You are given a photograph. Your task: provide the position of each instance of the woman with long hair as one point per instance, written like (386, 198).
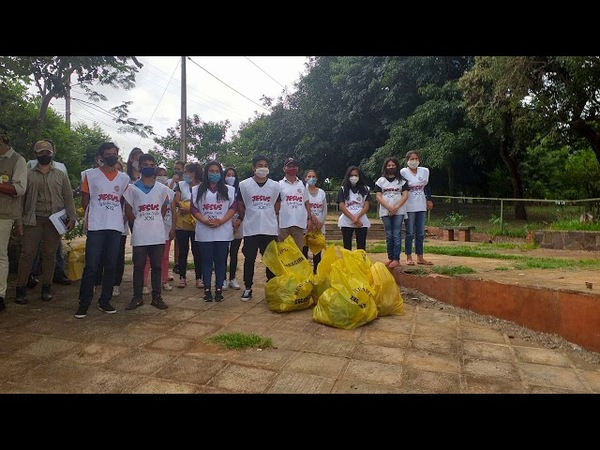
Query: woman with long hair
(354, 202)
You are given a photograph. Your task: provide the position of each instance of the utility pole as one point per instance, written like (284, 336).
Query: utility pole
(68, 103)
(183, 113)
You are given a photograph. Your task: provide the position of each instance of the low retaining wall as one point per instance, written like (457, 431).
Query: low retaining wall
(575, 316)
(566, 240)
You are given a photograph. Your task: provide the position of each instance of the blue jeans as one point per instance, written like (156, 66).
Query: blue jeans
(393, 235)
(415, 229)
(214, 253)
(101, 249)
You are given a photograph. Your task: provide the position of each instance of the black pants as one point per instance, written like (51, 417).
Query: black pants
(361, 237)
(234, 248)
(252, 244)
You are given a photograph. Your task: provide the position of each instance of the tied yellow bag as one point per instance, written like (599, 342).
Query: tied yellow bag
(188, 219)
(291, 288)
(315, 240)
(349, 303)
(76, 262)
(388, 298)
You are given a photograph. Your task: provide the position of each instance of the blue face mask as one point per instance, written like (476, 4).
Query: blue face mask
(148, 171)
(312, 181)
(214, 177)
(187, 179)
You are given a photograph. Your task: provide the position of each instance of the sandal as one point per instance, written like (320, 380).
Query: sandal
(410, 262)
(425, 263)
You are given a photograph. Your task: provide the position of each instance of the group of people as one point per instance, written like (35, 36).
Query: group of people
(404, 197)
(204, 209)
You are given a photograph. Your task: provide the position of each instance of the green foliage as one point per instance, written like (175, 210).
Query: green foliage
(453, 218)
(239, 341)
(574, 225)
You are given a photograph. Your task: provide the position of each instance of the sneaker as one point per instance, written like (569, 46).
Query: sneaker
(247, 295)
(81, 312)
(20, 297)
(46, 292)
(182, 283)
(134, 303)
(199, 283)
(159, 303)
(218, 295)
(167, 287)
(32, 281)
(107, 308)
(146, 290)
(176, 269)
(224, 285)
(116, 291)
(170, 277)
(207, 295)
(233, 284)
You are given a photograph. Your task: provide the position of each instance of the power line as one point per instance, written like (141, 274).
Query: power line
(261, 69)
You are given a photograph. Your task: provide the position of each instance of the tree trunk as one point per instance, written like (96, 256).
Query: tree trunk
(513, 170)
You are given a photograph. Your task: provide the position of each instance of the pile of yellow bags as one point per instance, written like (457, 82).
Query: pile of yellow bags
(349, 289)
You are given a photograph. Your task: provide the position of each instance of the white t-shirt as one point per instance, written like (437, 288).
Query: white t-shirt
(318, 206)
(211, 208)
(293, 204)
(104, 212)
(260, 217)
(392, 193)
(416, 184)
(355, 203)
(149, 226)
(34, 162)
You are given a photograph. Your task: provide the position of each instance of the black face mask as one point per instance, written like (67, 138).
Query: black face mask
(44, 160)
(110, 160)
(148, 171)
(390, 171)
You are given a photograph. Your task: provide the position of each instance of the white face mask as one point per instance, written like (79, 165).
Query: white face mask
(413, 163)
(353, 180)
(262, 172)
(230, 180)
(162, 179)
(135, 165)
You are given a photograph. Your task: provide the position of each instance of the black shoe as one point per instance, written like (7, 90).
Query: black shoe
(219, 295)
(134, 303)
(46, 292)
(247, 295)
(81, 312)
(32, 281)
(2, 305)
(207, 295)
(176, 269)
(159, 303)
(21, 298)
(62, 280)
(107, 308)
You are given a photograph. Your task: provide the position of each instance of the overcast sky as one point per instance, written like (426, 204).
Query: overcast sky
(218, 88)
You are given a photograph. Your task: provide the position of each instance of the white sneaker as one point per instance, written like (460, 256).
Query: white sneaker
(146, 290)
(167, 287)
(233, 284)
(116, 291)
(224, 288)
(199, 283)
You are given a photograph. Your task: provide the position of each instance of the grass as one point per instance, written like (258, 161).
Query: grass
(239, 341)
(444, 270)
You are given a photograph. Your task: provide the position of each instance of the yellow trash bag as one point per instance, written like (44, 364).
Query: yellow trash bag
(388, 298)
(349, 302)
(315, 241)
(76, 261)
(330, 255)
(291, 288)
(188, 219)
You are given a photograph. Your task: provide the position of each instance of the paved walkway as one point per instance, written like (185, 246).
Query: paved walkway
(45, 349)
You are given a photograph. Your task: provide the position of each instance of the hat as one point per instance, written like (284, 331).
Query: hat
(291, 162)
(40, 146)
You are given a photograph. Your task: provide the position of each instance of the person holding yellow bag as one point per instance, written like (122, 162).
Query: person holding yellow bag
(185, 227)
(317, 200)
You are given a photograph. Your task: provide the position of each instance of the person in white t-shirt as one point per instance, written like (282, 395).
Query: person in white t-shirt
(213, 203)
(101, 196)
(392, 193)
(145, 207)
(294, 212)
(317, 200)
(354, 201)
(260, 203)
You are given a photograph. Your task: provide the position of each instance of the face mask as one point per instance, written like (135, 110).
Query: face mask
(262, 172)
(353, 180)
(180, 174)
(135, 165)
(311, 181)
(44, 160)
(214, 177)
(187, 179)
(413, 164)
(390, 171)
(162, 179)
(292, 171)
(230, 180)
(110, 160)
(148, 171)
